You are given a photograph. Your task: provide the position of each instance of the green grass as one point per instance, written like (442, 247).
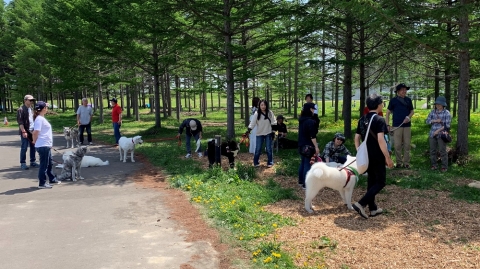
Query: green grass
(234, 200)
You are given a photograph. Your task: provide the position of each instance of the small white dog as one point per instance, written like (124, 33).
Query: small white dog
(128, 144)
(87, 161)
(322, 175)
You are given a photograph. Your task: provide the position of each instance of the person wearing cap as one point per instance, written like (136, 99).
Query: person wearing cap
(401, 107)
(84, 120)
(43, 139)
(281, 127)
(193, 128)
(25, 125)
(116, 119)
(440, 120)
(263, 119)
(335, 150)
(307, 136)
(378, 156)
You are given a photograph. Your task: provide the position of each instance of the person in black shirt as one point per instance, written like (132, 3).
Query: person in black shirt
(193, 128)
(283, 141)
(378, 155)
(307, 136)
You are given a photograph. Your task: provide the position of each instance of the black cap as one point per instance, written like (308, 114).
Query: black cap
(113, 100)
(40, 105)
(400, 86)
(280, 117)
(307, 106)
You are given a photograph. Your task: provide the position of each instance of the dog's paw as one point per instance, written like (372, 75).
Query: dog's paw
(309, 210)
(124, 161)
(82, 178)
(350, 207)
(133, 161)
(74, 179)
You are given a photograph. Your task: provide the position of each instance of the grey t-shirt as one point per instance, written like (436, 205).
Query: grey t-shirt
(85, 114)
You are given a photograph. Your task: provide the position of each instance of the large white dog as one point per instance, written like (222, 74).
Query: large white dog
(128, 144)
(322, 175)
(87, 161)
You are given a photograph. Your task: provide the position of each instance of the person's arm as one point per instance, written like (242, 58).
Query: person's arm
(120, 116)
(383, 146)
(313, 136)
(387, 118)
(253, 123)
(91, 115)
(430, 119)
(180, 129)
(357, 140)
(78, 116)
(35, 136)
(21, 123)
(326, 153)
(200, 129)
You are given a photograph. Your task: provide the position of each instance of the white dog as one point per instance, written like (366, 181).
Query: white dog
(322, 175)
(128, 144)
(87, 161)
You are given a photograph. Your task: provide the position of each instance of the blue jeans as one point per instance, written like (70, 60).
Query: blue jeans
(82, 128)
(23, 150)
(45, 165)
(259, 146)
(303, 169)
(189, 137)
(116, 131)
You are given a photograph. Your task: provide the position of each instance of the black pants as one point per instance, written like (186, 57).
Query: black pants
(82, 128)
(377, 177)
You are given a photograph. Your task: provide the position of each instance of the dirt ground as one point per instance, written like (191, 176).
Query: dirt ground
(419, 229)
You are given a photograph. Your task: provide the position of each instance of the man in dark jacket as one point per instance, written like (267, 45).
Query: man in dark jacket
(193, 129)
(25, 130)
(307, 141)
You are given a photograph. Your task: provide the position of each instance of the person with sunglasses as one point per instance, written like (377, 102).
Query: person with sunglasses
(335, 150)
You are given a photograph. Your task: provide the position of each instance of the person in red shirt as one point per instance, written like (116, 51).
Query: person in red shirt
(116, 119)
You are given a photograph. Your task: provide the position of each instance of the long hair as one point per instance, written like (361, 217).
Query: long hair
(35, 114)
(255, 102)
(306, 113)
(260, 112)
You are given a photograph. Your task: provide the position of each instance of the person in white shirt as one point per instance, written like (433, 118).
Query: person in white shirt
(253, 133)
(84, 120)
(263, 119)
(43, 140)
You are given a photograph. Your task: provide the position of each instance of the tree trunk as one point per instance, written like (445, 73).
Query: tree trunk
(347, 81)
(295, 83)
(229, 70)
(156, 85)
(178, 99)
(464, 78)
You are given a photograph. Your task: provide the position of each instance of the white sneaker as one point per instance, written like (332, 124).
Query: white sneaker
(360, 210)
(188, 156)
(377, 212)
(200, 155)
(46, 186)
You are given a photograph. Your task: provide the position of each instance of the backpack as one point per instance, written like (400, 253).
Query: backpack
(362, 152)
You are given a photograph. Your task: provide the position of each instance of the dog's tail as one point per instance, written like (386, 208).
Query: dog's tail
(315, 172)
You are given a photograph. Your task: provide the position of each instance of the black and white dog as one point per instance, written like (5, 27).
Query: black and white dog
(228, 148)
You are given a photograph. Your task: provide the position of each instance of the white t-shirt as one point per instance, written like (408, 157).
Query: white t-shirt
(45, 137)
(30, 118)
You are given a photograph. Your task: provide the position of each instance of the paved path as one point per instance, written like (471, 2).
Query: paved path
(104, 221)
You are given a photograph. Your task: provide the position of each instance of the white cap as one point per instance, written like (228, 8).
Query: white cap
(193, 125)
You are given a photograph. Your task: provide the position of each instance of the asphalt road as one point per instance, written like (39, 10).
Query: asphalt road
(104, 221)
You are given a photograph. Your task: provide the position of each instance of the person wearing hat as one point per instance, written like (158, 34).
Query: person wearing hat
(401, 107)
(43, 140)
(193, 128)
(440, 120)
(335, 150)
(25, 125)
(307, 138)
(116, 119)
